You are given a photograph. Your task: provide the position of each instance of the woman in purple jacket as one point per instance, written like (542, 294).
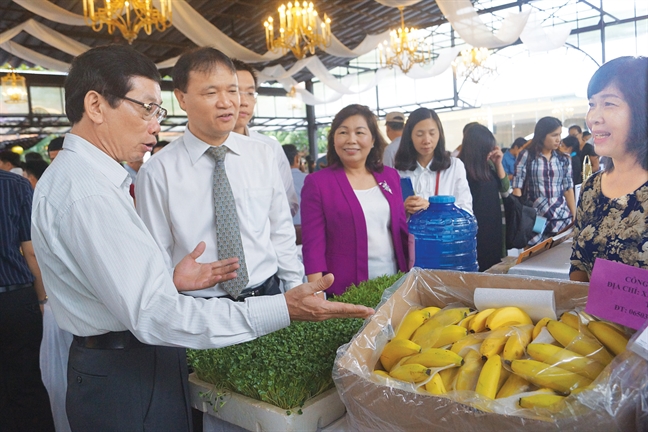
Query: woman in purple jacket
(353, 220)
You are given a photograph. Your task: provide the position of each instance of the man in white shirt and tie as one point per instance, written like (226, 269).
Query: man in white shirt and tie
(247, 82)
(175, 190)
(107, 281)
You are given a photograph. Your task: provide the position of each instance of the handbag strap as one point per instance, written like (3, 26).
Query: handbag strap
(525, 184)
(438, 180)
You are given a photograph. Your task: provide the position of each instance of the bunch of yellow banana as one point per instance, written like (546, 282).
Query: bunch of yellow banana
(494, 353)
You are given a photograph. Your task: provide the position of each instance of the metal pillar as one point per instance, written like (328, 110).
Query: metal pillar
(312, 126)
(602, 35)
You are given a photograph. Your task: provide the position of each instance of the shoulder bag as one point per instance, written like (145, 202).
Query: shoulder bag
(520, 218)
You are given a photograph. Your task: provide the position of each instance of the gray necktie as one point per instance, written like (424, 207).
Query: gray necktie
(228, 234)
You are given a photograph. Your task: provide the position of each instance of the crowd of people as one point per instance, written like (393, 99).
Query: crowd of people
(204, 250)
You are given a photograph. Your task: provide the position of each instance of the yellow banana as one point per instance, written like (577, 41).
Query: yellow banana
(541, 400)
(573, 320)
(436, 385)
(381, 373)
(504, 375)
(507, 315)
(468, 374)
(442, 336)
(489, 377)
(465, 323)
(517, 342)
(442, 318)
(462, 344)
(539, 326)
(514, 384)
(396, 350)
(609, 336)
(578, 342)
(411, 322)
(543, 375)
(432, 309)
(478, 325)
(565, 359)
(412, 373)
(435, 357)
(448, 377)
(495, 341)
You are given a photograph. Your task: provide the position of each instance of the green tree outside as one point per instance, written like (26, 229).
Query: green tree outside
(299, 138)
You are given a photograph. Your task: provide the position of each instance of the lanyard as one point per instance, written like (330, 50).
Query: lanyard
(438, 180)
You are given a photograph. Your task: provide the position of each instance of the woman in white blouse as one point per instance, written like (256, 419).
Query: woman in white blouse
(423, 159)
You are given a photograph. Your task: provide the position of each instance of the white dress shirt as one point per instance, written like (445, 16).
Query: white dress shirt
(453, 182)
(175, 200)
(389, 156)
(103, 271)
(284, 167)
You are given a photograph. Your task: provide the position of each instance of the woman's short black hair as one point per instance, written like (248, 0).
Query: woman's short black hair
(374, 158)
(108, 71)
(629, 75)
(406, 156)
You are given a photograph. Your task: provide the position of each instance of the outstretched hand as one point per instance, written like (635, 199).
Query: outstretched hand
(305, 305)
(190, 275)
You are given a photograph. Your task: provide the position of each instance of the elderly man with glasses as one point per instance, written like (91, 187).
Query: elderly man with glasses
(106, 278)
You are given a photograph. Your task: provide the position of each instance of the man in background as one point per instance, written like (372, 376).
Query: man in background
(33, 170)
(394, 123)
(247, 82)
(509, 158)
(10, 161)
(54, 147)
(294, 158)
(24, 403)
(586, 149)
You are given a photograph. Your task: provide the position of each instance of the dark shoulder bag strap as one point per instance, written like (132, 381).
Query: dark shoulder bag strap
(525, 184)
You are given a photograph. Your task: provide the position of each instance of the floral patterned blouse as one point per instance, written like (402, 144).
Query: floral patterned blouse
(613, 229)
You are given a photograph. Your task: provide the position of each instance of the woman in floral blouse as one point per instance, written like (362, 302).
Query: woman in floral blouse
(612, 216)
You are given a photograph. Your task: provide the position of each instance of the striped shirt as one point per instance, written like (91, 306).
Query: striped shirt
(548, 180)
(103, 271)
(15, 217)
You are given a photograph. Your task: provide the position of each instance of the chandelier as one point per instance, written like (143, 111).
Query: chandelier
(473, 64)
(403, 48)
(129, 16)
(14, 88)
(299, 31)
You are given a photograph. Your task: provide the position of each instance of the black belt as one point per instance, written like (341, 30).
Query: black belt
(9, 288)
(111, 340)
(269, 287)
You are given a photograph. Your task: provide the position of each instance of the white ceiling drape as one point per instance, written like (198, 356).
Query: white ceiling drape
(464, 19)
(461, 14)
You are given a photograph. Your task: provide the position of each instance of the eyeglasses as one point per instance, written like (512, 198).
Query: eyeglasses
(153, 110)
(252, 95)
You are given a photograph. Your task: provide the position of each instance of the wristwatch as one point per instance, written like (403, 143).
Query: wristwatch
(42, 302)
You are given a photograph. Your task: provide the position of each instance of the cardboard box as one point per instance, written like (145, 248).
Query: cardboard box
(614, 404)
(255, 415)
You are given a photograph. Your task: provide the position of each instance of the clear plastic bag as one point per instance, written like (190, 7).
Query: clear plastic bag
(618, 399)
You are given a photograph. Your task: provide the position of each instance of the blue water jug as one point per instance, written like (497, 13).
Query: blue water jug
(443, 236)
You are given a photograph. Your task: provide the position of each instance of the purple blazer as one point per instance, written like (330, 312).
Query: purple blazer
(334, 231)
